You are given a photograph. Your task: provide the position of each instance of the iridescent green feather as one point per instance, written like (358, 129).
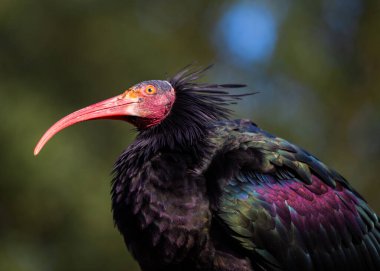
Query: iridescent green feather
(254, 204)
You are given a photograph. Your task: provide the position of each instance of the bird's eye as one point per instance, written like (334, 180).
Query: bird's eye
(150, 90)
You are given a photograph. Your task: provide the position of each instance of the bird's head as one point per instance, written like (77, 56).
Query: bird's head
(149, 103)
(144, 105)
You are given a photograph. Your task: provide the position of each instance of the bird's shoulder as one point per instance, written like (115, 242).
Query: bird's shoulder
(266, 153)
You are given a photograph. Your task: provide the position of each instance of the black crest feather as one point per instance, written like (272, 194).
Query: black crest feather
(209, 100)
(196, 107)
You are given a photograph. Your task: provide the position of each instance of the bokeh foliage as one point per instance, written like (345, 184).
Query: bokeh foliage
(319, 88)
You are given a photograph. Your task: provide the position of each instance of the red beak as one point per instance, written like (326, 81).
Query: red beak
(113, 108)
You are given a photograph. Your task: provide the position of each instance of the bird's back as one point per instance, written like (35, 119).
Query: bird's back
(286, 208)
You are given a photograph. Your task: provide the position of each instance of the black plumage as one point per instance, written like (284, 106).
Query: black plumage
(196, 191)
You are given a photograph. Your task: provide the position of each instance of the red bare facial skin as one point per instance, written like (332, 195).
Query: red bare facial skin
(155, 108)
(143, 105)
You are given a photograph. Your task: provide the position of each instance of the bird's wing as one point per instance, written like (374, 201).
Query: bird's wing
(280, 203)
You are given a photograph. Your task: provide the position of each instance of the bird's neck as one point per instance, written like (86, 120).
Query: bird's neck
(192, 142)
(191, 139)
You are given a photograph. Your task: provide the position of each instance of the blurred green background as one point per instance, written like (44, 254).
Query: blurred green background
(315, 63)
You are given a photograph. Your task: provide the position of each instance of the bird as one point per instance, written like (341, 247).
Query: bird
(198, 191)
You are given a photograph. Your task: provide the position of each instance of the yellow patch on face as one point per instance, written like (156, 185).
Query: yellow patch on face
(131, 94)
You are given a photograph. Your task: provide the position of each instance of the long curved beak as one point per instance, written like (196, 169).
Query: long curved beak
(114, 108)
